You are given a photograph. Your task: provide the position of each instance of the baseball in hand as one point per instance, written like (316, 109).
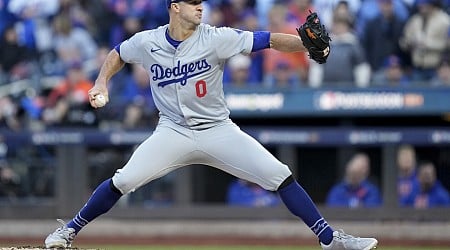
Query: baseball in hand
(100, 100)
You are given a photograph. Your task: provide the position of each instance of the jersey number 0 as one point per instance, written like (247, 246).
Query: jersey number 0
(200, 88)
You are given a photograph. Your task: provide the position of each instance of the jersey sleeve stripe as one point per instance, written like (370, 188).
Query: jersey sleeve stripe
(261, 40)
(117, 48)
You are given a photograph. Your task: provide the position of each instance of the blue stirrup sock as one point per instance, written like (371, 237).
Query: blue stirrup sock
(102, 199)
(300, 204)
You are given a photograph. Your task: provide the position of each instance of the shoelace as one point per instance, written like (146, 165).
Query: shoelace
(62, 222)
(63, 230)
(342, 235)
(60, 230)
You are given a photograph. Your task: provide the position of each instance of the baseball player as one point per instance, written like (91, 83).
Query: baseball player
(185, 61)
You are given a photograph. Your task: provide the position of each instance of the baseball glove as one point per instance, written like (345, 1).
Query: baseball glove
(315, 38)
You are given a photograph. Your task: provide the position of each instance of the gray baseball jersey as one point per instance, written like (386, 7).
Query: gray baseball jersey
(194, 125)
(186, 82)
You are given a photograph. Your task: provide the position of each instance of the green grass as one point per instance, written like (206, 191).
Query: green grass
(244, 248)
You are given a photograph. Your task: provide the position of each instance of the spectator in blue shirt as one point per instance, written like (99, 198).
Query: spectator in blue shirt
(392, 73)
(430, 192)
(244, 193)
(442, 78)
(355, 190)
(407, 174)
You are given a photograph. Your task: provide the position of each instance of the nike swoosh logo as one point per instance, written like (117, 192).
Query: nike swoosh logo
(154, 50)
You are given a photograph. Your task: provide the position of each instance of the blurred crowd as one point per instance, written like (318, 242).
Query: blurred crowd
(56, 47)
(418, 184)
(51, 52)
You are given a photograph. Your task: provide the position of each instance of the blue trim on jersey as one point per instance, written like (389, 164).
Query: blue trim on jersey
(172, 41)
(117, 48)
(261, 40)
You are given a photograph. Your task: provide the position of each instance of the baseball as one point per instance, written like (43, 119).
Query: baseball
(100, 101)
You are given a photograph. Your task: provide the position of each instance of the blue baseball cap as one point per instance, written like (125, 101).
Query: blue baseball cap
(169, 2)
(392, 61)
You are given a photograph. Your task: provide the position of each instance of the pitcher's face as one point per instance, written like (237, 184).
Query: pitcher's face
(191, 11)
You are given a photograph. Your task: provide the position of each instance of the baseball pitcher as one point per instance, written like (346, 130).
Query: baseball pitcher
(185, 61)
